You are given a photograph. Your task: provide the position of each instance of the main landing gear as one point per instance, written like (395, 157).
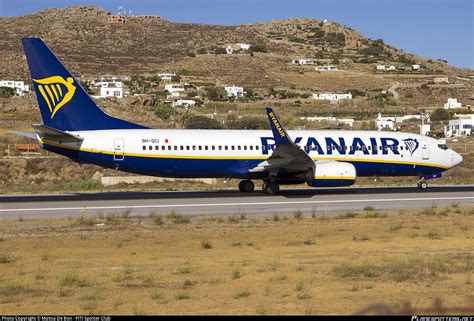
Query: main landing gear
(268, 187)
(422, 184)
(271, 187)
(246, 186)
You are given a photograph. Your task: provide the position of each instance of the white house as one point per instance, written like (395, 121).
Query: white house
(425, 129)
(174, 88)
(19, 86)
(229, 50)
(303, 62)
(326, 68)
(244, 46)
(166, 76)
(331, 96)
(415, 67)
(385, 67)
(345, 121)
(385, 122)
(110, 89)
(233, 91)
(184, 103)
(441, 80)
(460, 125)
(452, 103)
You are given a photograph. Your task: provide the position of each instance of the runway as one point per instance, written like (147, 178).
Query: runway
(320, 201)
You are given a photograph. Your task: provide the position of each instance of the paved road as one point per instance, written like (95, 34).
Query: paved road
(321, 201)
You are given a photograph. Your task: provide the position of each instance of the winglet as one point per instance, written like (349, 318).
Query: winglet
(279, 133)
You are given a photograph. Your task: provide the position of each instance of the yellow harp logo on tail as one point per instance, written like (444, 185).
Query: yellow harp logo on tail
(56, 91)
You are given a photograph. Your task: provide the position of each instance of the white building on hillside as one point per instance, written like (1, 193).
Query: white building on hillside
(233, 91)
(244, 46)
(303, 62)
(166, 76)
(331, 96)
(174, 88)
(110, 89)
(415, 67)
(460, 125)
(452, 103)
(19, 86)
(229, 50)
(326, 68)
(385, 122)
(184, 103)
(345, 121)
(385, 67)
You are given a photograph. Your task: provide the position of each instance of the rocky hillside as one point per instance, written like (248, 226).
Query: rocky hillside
(89, 44)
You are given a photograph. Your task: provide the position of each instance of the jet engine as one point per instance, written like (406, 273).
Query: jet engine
(331, 174)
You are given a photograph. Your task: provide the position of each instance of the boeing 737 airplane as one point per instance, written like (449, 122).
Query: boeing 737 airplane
(74, 126)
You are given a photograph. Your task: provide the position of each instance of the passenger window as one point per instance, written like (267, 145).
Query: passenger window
(205, 147)
(213, 147)
(175, 147)
(157, 147)
(163, 147)
(238, 147)
(181, 147)
(200, 147)
(245, 147)
(150, 147)
(220, 147)
(232, 147)
(225, 147)
(144, 147)
(169, 147)
(194, 147)
(251, 147)
(187, 147)
(256, 147)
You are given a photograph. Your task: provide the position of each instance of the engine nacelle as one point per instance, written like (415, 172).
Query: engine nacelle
(331, 174)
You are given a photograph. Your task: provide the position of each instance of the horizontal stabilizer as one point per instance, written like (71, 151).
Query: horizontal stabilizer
(52, 134)
(24, 134)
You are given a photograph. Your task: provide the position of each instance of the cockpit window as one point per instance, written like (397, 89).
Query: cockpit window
(443, 146)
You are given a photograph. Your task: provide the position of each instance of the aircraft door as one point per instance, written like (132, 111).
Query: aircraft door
(425, 149)
(118, 149)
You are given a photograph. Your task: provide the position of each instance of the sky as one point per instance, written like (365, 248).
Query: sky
(436, 29)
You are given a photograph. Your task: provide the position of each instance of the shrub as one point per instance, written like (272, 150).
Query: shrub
(191, 54)
(163, 111)
(6, 92)
(220, 51)
(439, 114)
(258, 48)
(202, 51)
(206, 245)
(201, 122)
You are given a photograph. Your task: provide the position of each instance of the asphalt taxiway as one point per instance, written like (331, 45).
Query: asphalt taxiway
(320, 201)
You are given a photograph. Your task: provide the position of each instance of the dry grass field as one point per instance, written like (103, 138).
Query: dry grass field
(237, 265)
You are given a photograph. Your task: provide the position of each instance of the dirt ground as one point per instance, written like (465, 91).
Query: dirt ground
(236, 265)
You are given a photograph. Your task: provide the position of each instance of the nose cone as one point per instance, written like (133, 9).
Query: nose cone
(456, 159)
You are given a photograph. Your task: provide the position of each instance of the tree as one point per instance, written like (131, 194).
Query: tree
(6, 92)
(247, 123)
(201, 122)
(216, 93)
(439, 114)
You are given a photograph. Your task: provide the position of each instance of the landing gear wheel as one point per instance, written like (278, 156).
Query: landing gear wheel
(246, 186)
(271, 188)
(422, 185)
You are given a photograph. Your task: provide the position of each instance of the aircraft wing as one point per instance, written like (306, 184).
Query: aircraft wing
(287, 156)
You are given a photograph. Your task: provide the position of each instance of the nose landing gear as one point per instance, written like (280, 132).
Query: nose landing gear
(422, 184)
